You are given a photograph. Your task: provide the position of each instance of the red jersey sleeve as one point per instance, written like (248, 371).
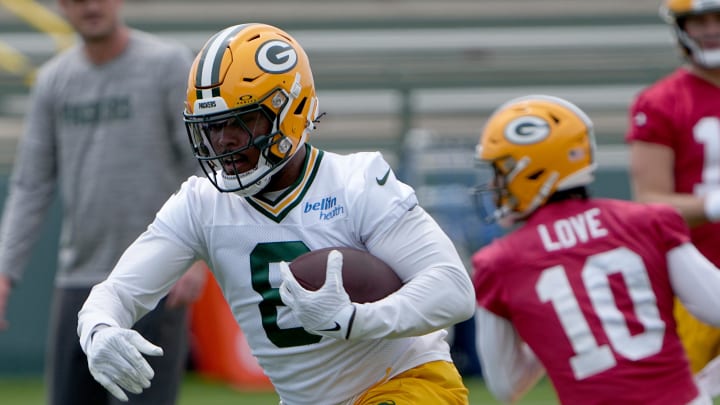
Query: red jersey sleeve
(670, 225)
(650, 121)
(487, 282)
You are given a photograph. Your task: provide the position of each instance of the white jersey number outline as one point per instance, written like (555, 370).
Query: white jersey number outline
(707, 133)
(590, 358)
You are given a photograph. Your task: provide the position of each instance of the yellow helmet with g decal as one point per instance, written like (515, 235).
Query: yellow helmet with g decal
(536, 145)
(250, 69)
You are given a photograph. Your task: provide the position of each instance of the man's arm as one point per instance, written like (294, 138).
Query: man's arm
(509, 367)
(31, 190)
(438, 295)
(437, 292)
(696, 282)
(189, 287)
(143, 275)
(652, 180)
(5, 287)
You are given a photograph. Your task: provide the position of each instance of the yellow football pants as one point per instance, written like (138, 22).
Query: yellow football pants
(701, 341)
(435, 383)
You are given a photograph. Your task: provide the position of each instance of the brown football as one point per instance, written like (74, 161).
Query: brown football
(365, 277)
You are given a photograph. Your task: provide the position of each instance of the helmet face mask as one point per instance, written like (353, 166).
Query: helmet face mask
(535, 145)
(255, 132)
(254, 79)
(676, 13)
(493, 200)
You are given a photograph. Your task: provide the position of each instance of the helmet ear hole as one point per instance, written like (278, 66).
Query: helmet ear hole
(300, 107)
(536, 175)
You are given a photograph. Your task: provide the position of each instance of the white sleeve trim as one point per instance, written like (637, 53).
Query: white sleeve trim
(696, 281)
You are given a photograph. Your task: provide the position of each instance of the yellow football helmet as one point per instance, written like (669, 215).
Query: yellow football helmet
(536, 145)
(246, 69)
(674, 13)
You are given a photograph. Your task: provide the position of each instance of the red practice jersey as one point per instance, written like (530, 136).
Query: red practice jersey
(682, 112)
(586, 285)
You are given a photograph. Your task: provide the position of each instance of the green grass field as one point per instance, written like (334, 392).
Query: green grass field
(199, 391)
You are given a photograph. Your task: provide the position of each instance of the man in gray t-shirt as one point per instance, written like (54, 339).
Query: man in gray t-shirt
(104, 128)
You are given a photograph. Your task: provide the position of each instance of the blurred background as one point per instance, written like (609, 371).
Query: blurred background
(413, 79)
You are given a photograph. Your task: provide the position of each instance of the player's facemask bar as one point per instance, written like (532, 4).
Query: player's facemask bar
(220, 164)
(491, 197)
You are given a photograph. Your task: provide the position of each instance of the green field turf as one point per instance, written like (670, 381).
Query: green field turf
(199, 391)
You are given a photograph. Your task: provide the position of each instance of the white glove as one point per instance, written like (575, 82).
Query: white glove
(708, 379)
(327, 311)
(115, 360)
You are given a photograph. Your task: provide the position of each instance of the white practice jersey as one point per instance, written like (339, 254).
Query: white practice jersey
(353, 201)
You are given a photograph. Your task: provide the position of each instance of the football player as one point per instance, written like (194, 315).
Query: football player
(674, 138)
(583, 288)
(100, 136)
(268, 197)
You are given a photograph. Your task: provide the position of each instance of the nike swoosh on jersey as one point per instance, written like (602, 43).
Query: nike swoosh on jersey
(381, 181)
(333, 329)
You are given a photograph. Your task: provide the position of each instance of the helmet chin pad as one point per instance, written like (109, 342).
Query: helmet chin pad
(709, 58)
(706, 58)
(230, 182)
(251, 182)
